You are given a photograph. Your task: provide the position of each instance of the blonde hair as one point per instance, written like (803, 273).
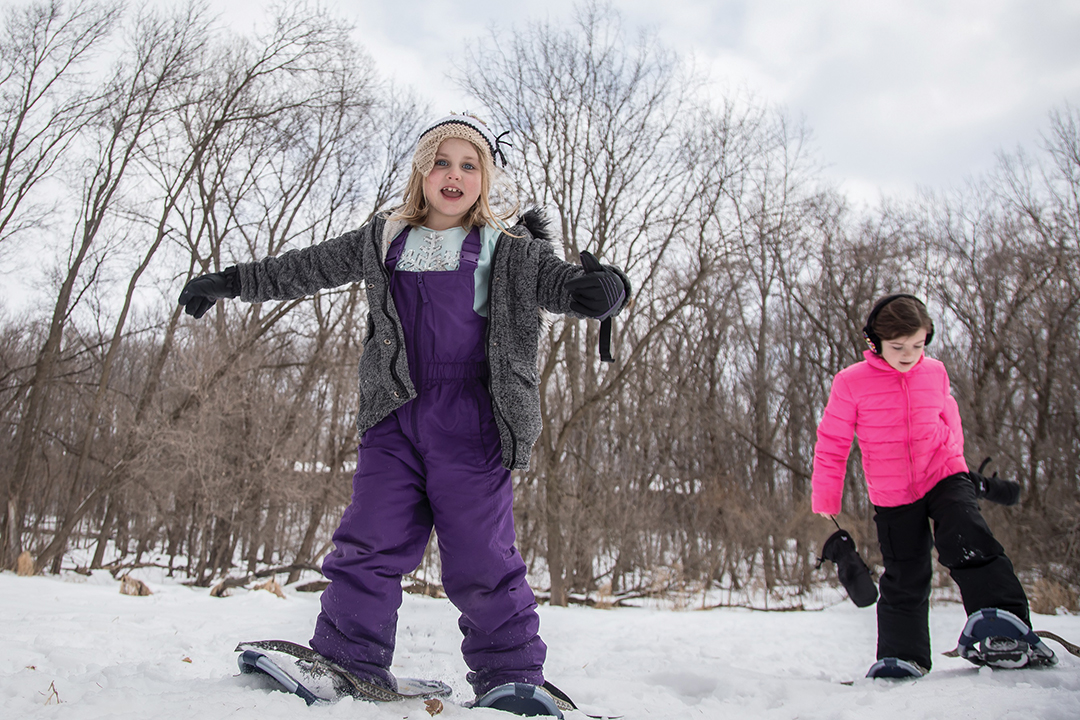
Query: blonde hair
(414, 208)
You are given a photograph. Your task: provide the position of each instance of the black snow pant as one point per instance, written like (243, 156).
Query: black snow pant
(965, 545)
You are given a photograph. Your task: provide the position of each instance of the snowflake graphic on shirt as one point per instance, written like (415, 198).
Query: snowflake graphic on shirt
(431, 257)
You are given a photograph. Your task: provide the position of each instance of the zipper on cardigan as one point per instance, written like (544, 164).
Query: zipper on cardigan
(487, 348)
(376, 237)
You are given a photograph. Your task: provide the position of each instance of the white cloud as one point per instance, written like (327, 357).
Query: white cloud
(898, 93)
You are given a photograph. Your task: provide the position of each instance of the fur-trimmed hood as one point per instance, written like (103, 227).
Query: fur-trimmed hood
(538, 224)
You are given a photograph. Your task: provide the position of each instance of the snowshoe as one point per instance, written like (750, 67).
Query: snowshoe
(999, 639)
(895, 669)
(302, 671)
(564, 703)
(520, 699)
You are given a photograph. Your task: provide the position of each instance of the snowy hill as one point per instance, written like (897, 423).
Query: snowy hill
(74, 647)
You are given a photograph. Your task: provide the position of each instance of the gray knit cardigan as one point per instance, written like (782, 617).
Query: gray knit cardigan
(526, 277)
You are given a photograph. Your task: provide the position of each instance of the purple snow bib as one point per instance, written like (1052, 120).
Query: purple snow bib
(435, 462)
(444, 337)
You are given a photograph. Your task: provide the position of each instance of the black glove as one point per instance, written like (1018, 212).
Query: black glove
(598, 293)
(200, 294)
(995, 489)
(850, 568)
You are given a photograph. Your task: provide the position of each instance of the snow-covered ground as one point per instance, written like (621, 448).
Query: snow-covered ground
(74, 647)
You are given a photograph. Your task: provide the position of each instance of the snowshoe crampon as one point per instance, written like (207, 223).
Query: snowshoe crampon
(999, 639)
(302, 671)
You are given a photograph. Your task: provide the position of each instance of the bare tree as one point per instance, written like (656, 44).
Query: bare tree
(600, 123)
(298, 101)
(227, 445)
(44, 109)
(45, 102)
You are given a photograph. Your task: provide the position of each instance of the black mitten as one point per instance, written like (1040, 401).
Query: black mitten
(850, 568)
(598, 293)
(200, 294)
(995, 489)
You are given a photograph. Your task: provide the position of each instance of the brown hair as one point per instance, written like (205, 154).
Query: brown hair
(902, 317)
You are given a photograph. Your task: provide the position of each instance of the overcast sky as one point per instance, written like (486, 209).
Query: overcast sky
(899, 94)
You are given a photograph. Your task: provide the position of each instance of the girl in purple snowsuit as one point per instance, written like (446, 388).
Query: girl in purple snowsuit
(449, 401)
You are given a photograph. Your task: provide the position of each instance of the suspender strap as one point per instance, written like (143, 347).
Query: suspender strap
(470, 247)
(394, 251)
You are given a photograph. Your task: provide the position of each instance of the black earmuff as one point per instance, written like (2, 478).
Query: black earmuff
(872, 339)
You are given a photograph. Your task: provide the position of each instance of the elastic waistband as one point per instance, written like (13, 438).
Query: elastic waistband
(452, 371)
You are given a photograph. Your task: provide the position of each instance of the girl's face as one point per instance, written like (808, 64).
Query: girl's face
(453, 185)
(903, 352)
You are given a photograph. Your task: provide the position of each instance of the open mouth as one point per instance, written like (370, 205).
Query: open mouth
(451, 192)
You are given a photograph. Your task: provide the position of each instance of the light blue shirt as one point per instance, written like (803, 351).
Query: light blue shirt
(427, 250)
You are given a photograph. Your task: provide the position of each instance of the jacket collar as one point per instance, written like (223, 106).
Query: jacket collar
(877, 362)
(391, 229)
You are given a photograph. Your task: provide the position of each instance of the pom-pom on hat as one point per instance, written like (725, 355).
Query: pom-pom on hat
(466, 127)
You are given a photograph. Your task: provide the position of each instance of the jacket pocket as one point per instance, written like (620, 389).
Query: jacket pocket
(525, 371)
(370, 331)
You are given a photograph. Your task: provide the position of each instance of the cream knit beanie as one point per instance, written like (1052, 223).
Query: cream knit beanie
(465, 127)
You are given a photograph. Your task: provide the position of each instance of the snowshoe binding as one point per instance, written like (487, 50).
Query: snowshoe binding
(302, 671)
(520, 699)
(999, 639)
(895, 669)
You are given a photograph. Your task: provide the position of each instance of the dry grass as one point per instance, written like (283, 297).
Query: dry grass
(24, 566)
(1047, 596)
(133, 586)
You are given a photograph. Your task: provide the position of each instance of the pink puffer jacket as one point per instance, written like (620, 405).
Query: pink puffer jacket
(908, 427)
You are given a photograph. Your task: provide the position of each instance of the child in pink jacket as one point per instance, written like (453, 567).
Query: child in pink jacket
(897, 403)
